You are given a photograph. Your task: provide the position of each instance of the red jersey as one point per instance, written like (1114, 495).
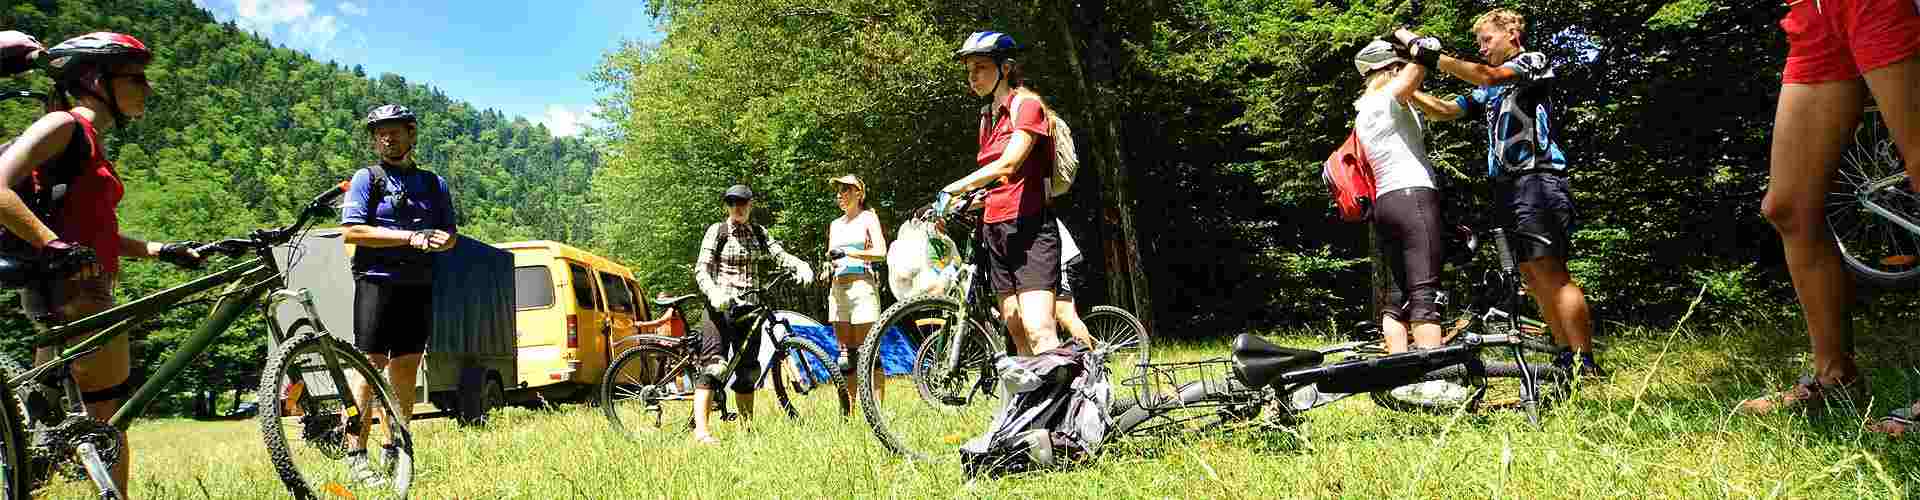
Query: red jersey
(1023, 193)
(88, 211)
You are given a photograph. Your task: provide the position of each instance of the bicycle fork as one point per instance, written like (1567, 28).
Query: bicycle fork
(350, 400)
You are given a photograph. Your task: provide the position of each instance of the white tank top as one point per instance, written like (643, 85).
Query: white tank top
(1396, 143)
(850, 236)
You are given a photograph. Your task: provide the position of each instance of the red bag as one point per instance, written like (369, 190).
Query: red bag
(1349, 177)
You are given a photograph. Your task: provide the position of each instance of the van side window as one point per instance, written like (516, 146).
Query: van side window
(583, 287)
(532, 287)
(619, 298)
(640, 301)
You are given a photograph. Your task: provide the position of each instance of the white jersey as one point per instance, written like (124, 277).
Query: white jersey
(1396, 143)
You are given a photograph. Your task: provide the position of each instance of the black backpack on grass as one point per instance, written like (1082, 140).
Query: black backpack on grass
(1053, 415)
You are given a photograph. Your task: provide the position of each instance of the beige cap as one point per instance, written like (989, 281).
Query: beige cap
(849, 180)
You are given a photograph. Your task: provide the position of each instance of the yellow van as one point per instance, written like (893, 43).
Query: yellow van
(569, 306)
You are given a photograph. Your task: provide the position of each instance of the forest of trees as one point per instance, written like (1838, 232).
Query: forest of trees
(241, 132)
(1202, 124)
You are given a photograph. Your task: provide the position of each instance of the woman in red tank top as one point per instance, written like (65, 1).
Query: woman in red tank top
(99, 83)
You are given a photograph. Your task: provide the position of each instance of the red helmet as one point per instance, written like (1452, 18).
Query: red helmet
(96, 49)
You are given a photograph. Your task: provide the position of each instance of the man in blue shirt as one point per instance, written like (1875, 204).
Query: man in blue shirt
(396, 215)
(1528, 169)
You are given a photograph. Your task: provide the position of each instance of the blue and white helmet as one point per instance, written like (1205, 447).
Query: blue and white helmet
(988, 43)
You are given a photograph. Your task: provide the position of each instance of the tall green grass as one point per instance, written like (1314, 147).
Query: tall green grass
(1661, 427)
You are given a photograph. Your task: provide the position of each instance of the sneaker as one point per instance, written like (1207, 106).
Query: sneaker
(361, 471)
(1809, 395)
(389, 458)
(1582, 364)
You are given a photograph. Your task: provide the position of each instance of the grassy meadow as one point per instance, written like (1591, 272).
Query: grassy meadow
(1660, 427)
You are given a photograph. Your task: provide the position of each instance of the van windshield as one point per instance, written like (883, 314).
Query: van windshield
(532, 287)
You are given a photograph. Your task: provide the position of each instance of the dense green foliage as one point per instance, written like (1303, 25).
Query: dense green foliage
(241, 133)
(1224, 111)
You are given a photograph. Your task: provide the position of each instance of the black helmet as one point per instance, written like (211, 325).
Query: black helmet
(389, 113)
(738, 192)
(94, 50)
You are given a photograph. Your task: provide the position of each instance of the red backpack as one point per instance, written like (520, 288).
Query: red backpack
(1349, 177)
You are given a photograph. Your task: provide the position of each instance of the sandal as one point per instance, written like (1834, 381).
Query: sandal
(1896, 422)
(1808, 395)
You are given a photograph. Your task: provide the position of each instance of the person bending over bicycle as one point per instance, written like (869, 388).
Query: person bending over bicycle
(1406, 212)
(397, 215)
(1838, 52)
(1525, 163)
(734, 255)
(1021, 238)
(100, 83)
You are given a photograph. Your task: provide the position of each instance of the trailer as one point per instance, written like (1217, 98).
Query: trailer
(471, 354)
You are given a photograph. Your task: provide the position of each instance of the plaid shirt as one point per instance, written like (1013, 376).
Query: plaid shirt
(742, 265)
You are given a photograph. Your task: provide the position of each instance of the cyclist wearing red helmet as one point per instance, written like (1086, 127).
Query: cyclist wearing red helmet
(100, 83)
(1021, 235)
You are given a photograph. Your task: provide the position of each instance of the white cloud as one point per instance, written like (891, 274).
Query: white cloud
(352, 9)
(564, 122)
(263, 15)
(316, 32)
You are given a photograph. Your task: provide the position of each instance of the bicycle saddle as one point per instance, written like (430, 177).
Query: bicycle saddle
(671, 301)
(1258, 362)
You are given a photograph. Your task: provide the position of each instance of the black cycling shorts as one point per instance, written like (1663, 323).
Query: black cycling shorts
(1406, 225)
(392, 319)
(718, 332)
(1023, 254)
(1541, 204)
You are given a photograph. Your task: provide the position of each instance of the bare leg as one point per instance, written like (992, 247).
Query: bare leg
(1040, 328)
(1427, 334)
(403, 372)
(702, 415)
(848, 338)
(1395, 332)
(745, 400)
(879, 379)
(1010, 316)
(1068, 318)
(1810, 127)
(1561, 301)
(363, 398)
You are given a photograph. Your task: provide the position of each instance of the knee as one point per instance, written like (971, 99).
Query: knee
(1792, 218)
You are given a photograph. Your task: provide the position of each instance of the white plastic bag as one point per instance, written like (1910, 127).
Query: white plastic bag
(921, 261)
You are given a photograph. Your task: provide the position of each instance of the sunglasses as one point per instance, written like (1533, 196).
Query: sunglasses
(140, 78)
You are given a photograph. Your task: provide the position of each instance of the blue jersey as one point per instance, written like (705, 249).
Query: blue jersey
(427, 205)
(1519, 115)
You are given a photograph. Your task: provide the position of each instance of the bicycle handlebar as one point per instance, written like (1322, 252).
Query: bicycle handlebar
(265, 238)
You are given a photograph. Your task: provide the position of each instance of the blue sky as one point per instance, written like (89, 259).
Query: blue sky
(524, 58)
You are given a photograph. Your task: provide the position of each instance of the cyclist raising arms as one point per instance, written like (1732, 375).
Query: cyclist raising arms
(733, 256)
(1526, 164)
(100, 83)
(1839, 51)
(1022, 240)
(396, 215)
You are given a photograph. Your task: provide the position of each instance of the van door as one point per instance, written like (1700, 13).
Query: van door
(621, 310)
(587, 326)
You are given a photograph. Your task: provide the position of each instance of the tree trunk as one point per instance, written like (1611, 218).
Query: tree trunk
(1083, 26)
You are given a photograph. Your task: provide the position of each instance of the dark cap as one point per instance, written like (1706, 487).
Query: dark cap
(738, 192)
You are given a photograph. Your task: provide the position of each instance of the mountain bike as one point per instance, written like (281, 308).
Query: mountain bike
(957, 335)
(1260, 374)
(1871, 212)
(661, 370)
(44, 425)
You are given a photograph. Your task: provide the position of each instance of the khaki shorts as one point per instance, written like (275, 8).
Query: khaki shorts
(856, 302)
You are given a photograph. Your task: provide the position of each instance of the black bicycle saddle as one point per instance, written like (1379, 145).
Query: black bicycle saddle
(1258, 362)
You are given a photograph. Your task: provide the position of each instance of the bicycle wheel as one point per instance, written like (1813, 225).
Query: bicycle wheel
(1878, 250)
(640, 384)
(797, 369)
(14, 455)
(951, 388)
(1199, 406)
(301, 408)
(1493, 385)
(1116, 327)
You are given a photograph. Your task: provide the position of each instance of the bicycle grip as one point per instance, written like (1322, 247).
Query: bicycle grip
(1506, 250)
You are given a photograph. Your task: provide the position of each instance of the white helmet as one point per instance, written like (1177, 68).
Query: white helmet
(1376, 55)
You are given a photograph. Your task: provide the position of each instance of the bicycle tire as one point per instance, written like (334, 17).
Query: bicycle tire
(1491, 385)
(14, 453)
(1112, 325)
(1198, 406)
(301, 351)
(794, 354)
(894, 422)
(640, 381)
(1875, 249)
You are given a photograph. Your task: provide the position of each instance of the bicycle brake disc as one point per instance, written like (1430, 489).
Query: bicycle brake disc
(326, 433)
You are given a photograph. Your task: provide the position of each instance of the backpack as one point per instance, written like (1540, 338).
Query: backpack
(43, 189)
(1066, 162)
(1054, 414)
(1349, 178)
(759, 236)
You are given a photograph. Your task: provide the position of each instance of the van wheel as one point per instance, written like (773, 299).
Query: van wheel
(480, 392)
